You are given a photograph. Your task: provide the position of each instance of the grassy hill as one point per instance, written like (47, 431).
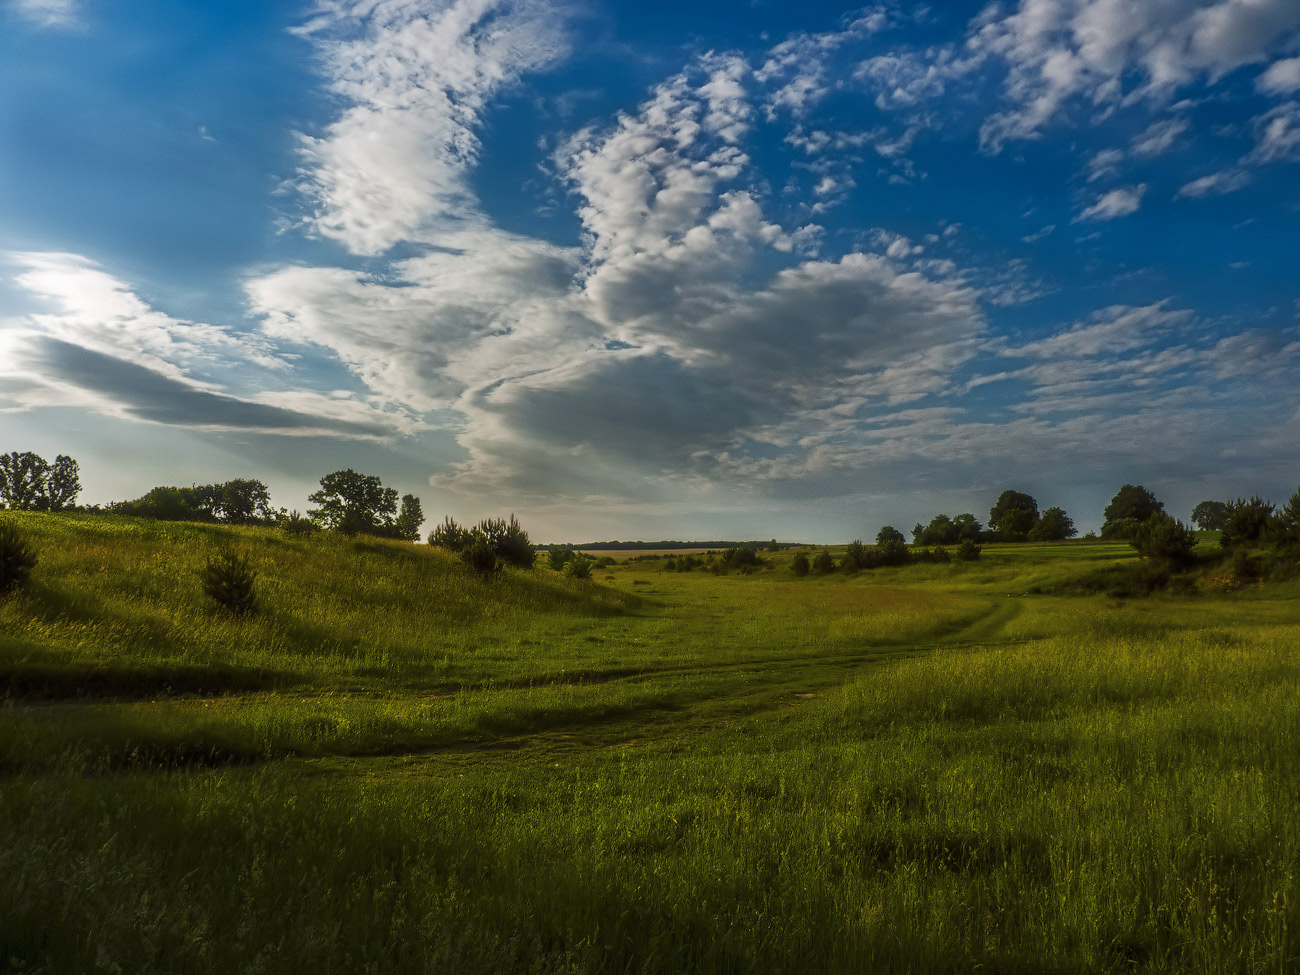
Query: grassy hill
(398, 767)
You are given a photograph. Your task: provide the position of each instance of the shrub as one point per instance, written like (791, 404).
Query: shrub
(558, 557)
(451, 536)
(17, 558)
(855, 556)
(968, 551)
(800, 566)
(741, 557)
(480, 556)
(578, 567)
(1246, 521)
(296, 526)
(823, 564)
(1165, 541)
(508, 540)
(228, 578)
(893, 552)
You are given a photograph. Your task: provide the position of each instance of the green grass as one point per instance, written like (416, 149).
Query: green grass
(397, 767)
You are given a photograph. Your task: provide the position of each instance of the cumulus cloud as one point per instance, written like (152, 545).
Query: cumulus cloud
(1098, 54)
(1119, 202)
(414, 77)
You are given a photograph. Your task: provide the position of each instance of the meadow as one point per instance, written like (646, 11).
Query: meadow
(397, 766)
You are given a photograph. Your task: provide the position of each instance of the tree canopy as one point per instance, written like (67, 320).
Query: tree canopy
(1209, 515)
(28, 482)
(1014, 514)
(354, 502)
(1132, 505)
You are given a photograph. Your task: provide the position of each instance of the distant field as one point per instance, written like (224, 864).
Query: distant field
(623, 554)
(398, 767)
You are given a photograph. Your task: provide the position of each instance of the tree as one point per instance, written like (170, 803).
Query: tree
(1287, 523)
(1013, 514)
(889, 533)
(892, 551)
(450, 536)
(1165, 541)
(1053, 525)
(360, 502)
(240, 502)
(967, 527)
(1247, 521)
(1015, 524)
(773, 546)
(558, 556)
(409, 519)
(508, 541)
(1132, 505)
(1209, 515)
(800, 565)
(823, 564)
(28, 482)
(63, 484)
(855, 556)
(940, 531)
(163, 504)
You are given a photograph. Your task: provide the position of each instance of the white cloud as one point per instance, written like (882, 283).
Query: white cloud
(1090, 53)
(415, 77)
(1039, 235)
(1224, 181)
(104, 348)
(1281, 78)
(48, 13)
(796, 70)
(1160, 136)
(1119, 202)
(1277, 136)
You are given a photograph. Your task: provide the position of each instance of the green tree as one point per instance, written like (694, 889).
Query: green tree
(968, 527)
(889, 533)
(508, 541)
(28, 482)
(1013, 514)
(1132, 505)
(823, 564)
(800, 565)
(893, 551)
(451, 536)
(1286, 524)
(1053, 525)
(351, 501)
(1162, 540)
(242, 501)
(409, 519)
(1209, 515)
(1246, 522)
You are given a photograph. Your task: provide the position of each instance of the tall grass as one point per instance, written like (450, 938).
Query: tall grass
(912, 770)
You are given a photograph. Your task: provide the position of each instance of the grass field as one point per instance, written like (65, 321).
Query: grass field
(397, 767)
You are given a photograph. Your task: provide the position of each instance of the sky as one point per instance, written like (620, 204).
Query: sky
(673, 270)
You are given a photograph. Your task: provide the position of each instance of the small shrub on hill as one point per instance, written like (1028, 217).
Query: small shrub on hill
(508, 540)
(1246, 522)
(1165, 541)
(479, 555)
(800, 565)
(228, 579)
(578, 567)
(823, 564)
(296, 526)
(557, 557)
(17, 558)
(968, 551)
(893, 552)
(450, 536)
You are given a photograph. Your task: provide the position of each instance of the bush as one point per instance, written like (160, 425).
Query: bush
(800, 566)
(557, 556)
(296, 526)
(578, 567)
(451, 536)
(823, 564)
(17, 558)
(741, 557)
(1165, 541)
(228, 578)
(1247, 521)
(480, 556)
(968, 551)
(893, 552)
(508, 540)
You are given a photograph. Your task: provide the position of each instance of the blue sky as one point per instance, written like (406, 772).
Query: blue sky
(669, 270)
